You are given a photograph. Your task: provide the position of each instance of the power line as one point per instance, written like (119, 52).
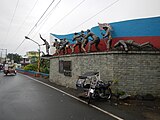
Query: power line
(41, 17)
(49, 14)
(94, 15)
(19, 45)
(46, 18)
(12, 18)
(66, 15)
(35, 24)
(26, 18)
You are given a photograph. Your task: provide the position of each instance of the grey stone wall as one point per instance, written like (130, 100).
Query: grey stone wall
(136, 72)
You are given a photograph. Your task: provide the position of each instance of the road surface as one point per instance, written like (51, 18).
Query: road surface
(22, 98)
(25, 98)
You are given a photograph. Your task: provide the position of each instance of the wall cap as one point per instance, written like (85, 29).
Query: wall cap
(107, 53)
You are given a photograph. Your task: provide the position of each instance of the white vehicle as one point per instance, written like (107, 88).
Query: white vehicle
(9, 69)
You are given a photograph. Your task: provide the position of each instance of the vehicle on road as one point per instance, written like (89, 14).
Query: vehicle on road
(9, 69)
(93, 86)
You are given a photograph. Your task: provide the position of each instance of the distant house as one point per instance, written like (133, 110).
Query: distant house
(30, 54)
(33, 56)
(24, 61)
(30, 57)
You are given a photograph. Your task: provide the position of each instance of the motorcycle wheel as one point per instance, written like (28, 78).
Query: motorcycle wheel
(108, 93)
(90, 97)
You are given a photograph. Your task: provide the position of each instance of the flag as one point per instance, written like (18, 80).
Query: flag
(52, 38)
(101, 25)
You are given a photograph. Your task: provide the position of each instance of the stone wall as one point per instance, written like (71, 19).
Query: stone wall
(136, 72)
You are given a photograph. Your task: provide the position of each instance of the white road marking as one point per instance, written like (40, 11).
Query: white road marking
(108, 113)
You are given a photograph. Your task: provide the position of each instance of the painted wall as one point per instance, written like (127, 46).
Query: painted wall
(139, 30)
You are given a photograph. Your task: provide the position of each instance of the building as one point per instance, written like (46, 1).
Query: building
(33, 56)
(30, 57)
(25, 61)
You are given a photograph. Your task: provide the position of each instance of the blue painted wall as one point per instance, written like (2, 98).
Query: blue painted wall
(131, 28)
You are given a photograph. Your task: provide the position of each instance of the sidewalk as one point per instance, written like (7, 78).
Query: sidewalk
(142, 109)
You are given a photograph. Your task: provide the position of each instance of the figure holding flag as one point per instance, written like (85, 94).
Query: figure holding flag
(107, 28)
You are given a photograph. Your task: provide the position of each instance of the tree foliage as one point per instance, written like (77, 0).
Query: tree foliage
(16, 57)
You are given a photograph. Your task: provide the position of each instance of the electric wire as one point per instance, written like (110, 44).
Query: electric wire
(26, 18)
(52, 26)
(66, 15)
(40, 18)
(46, 18)
(49, 14)
(35, 25)
(94, 15)
(12, 18)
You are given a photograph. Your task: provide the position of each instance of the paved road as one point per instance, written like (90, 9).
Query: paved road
(22, 98)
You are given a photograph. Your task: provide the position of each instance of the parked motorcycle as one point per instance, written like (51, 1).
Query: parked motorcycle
(101, 90)
(95, 88)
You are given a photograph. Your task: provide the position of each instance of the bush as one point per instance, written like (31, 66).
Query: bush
(44, 66)
(45, 70)
(32, 67)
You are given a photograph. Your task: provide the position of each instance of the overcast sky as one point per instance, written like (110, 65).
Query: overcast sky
(18, 17)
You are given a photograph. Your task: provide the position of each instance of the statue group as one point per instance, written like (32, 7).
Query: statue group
(89, 39)
(82, 39)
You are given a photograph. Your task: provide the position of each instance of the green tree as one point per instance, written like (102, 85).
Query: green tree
(15, 57)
